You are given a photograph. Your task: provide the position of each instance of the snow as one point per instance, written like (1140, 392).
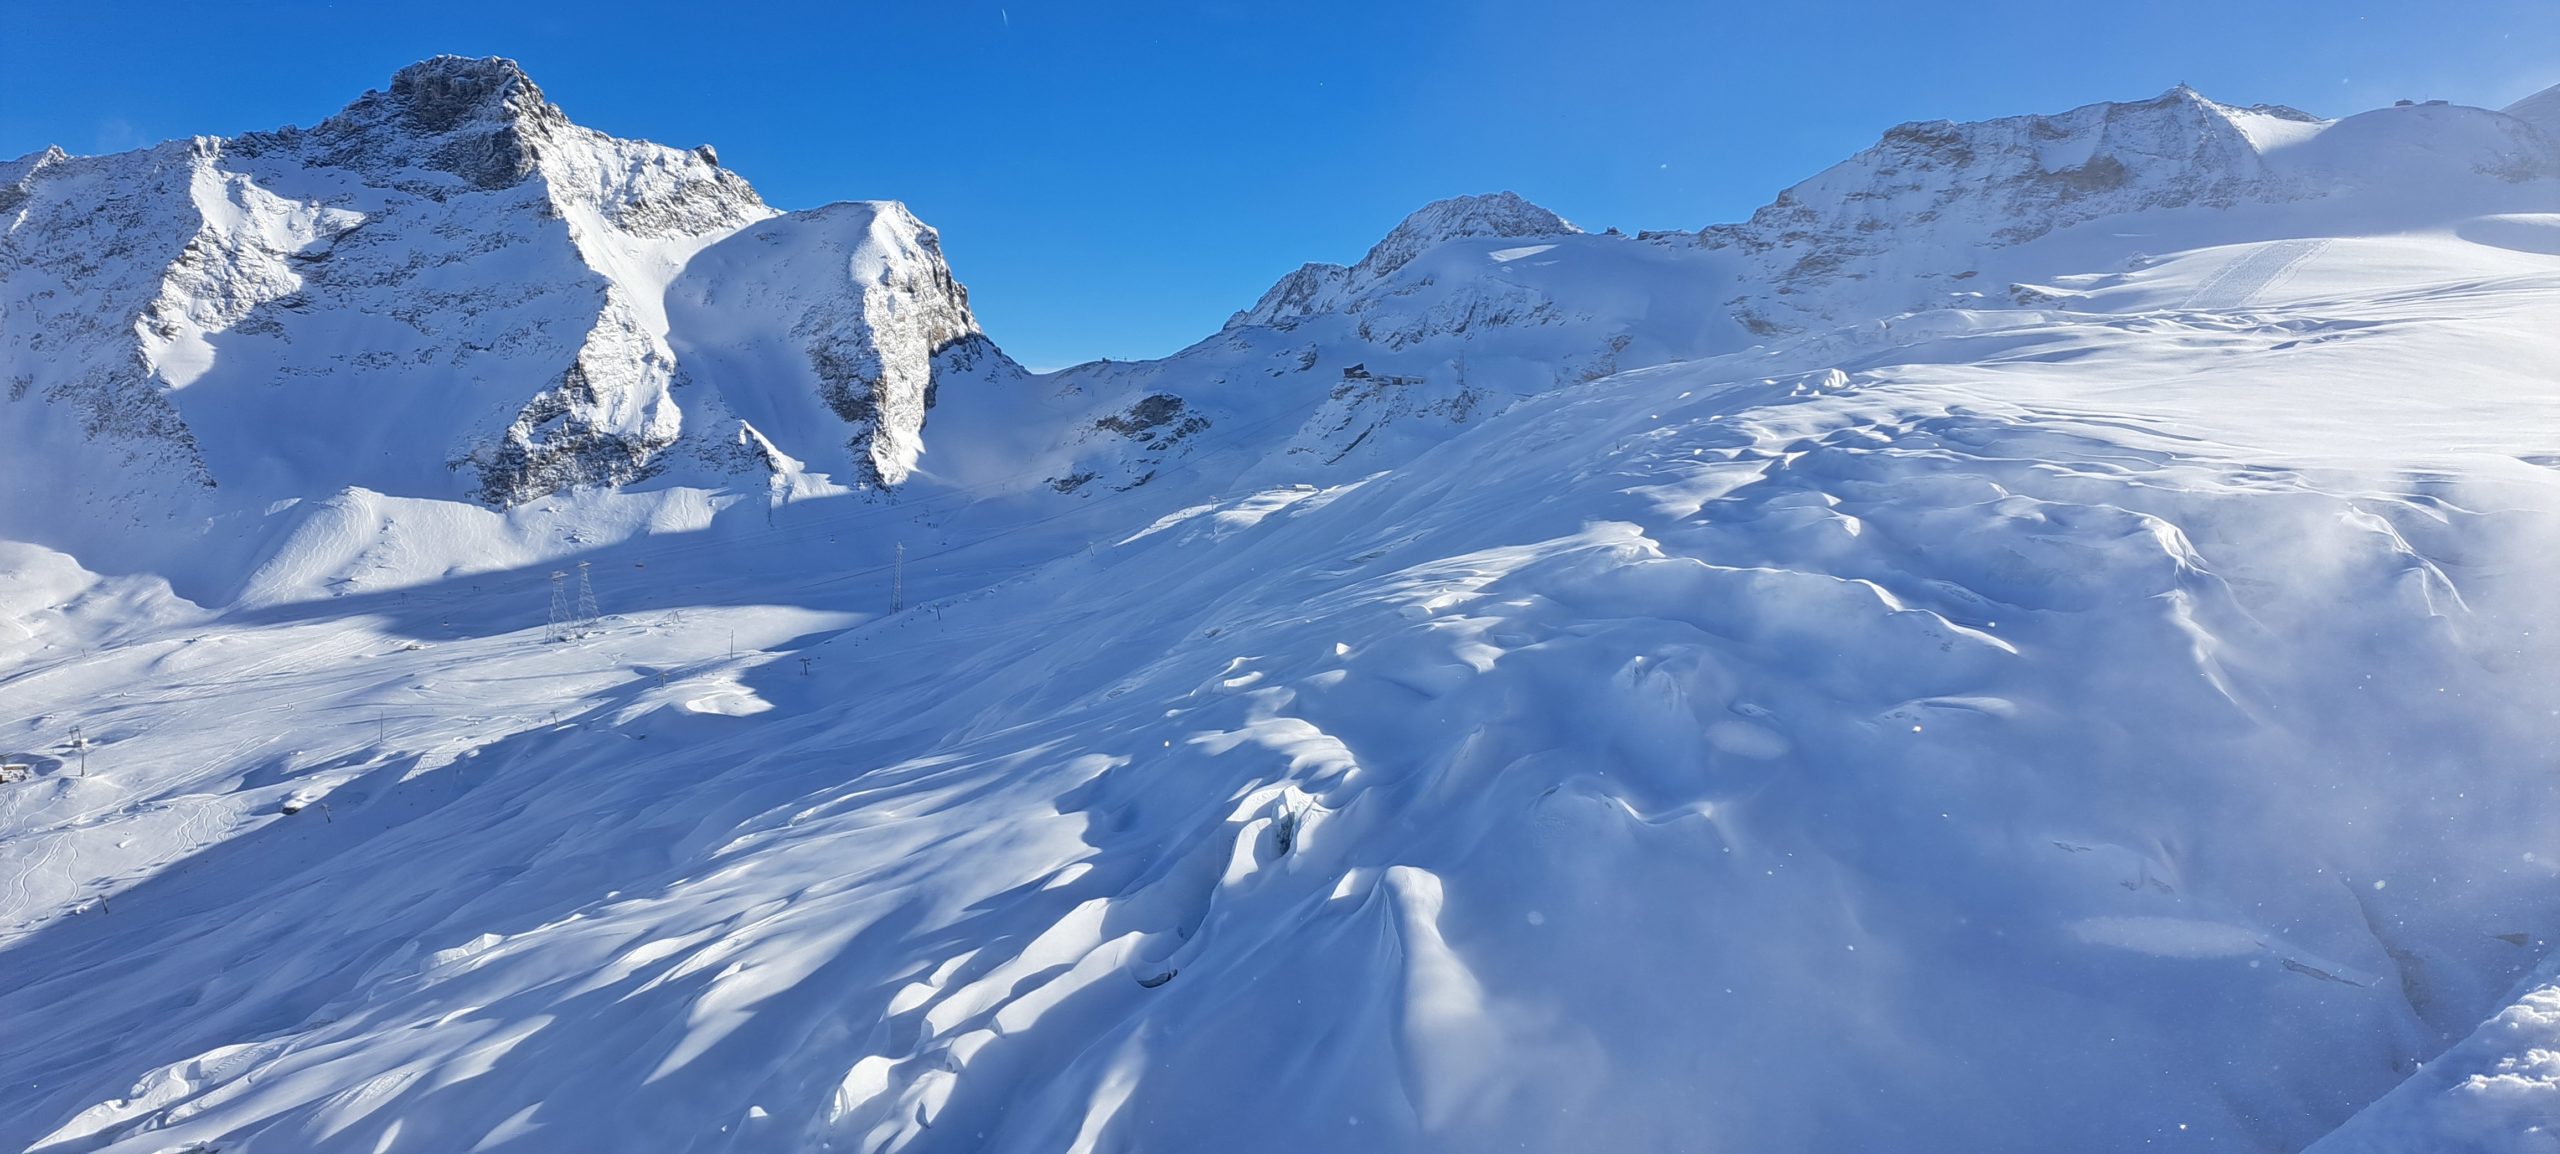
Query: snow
(445, 291)
(1505, 699)
(2541, 110)
(1318, 288)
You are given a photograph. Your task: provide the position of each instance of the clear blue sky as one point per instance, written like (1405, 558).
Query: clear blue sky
(1112, 179)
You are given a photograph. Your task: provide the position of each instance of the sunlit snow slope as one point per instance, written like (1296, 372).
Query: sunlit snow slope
(1500, 695)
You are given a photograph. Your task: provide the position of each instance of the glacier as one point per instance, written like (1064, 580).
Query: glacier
(2042, 637)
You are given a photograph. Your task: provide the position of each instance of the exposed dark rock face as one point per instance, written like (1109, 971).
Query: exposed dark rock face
(1152, 412)
(555, 444)
(878, 350)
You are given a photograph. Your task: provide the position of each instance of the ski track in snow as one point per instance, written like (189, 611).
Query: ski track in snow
(2252, 273)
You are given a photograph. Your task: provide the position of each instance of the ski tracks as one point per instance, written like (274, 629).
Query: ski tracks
(2252, 273)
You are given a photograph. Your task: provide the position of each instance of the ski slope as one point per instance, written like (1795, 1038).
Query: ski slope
(2117, 714)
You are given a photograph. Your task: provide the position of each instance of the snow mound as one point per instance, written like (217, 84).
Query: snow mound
(2492, 1093)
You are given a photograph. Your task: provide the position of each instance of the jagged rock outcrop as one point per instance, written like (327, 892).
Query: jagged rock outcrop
(845, 318)
(485, 122)
(874, 352)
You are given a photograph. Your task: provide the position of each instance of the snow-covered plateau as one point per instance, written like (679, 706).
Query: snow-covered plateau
(2046, 637)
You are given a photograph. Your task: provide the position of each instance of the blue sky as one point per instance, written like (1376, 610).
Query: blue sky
(1112, 179)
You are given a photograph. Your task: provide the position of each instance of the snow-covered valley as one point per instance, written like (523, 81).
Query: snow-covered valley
(2044, 638)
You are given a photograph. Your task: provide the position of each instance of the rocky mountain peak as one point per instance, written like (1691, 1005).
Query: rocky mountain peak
(1317, 287)
(1930, 194)
(1499, 214)
(566, 309)
(2090, 149)
(483, 120)
(17, 176)
(437, 94)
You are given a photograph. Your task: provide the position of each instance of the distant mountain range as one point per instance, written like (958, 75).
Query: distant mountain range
(450, 291)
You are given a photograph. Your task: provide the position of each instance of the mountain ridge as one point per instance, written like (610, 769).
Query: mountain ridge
(490, 302)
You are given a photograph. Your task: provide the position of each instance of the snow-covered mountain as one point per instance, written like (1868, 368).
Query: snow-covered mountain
(1936, 208)
(1475, 302)
(447, 290)
(2040, 639)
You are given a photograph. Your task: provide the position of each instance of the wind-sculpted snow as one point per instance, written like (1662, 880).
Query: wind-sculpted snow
(1927, 731)
(1515, 705)
(2493, 1091)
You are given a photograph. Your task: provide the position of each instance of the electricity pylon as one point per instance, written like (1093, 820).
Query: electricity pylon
(588, 617)
(558, 630)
